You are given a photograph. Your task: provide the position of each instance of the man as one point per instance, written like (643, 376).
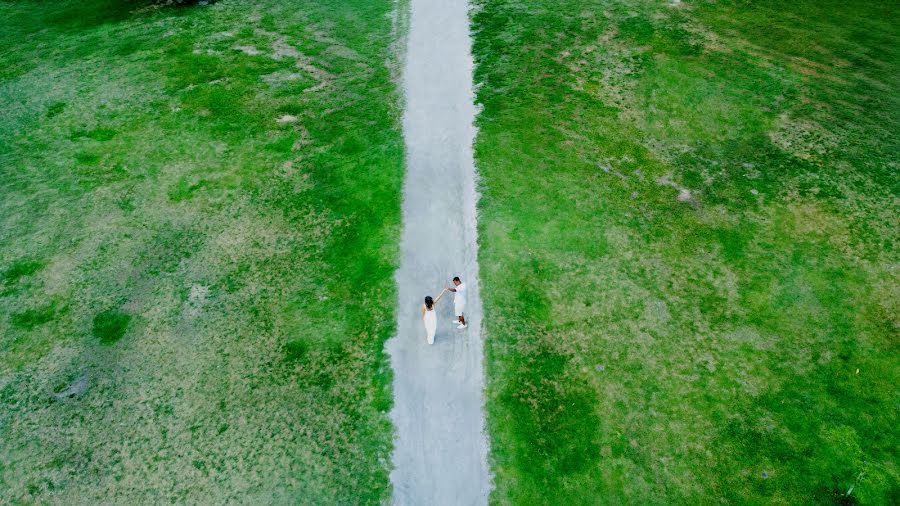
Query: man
(459, 301)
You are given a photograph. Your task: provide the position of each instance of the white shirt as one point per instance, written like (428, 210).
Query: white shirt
(460, 293)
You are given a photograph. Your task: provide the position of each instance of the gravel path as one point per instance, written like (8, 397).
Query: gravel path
(440, 454)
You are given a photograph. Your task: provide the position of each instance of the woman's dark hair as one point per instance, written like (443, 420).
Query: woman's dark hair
(429, 302)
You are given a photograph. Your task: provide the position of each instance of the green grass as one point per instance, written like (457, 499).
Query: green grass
(688, 247)
(110, 326)
(214, 269)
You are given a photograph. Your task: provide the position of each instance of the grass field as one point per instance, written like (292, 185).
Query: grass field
(688, 232)
(199, 211)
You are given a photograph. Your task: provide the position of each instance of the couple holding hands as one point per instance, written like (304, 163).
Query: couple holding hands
(429, 316)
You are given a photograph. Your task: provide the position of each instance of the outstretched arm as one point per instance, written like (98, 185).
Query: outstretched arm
(439, 296)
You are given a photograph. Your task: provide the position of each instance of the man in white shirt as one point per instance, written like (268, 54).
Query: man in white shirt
(459, 301)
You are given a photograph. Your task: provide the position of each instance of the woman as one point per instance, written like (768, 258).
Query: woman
(429, 316)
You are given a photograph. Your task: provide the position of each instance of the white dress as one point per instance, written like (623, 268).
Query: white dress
(430, 319)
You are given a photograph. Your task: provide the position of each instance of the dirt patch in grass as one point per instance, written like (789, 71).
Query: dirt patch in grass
(76, 388)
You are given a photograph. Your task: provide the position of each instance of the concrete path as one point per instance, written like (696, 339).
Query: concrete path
(440, 455)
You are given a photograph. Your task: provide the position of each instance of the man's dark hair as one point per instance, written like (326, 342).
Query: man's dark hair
(456, 278)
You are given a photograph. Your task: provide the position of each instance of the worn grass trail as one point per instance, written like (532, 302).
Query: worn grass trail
(440, 455)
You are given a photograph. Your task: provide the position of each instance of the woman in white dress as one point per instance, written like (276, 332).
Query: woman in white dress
(429, 316)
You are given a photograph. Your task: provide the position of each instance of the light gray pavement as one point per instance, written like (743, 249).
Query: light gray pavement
(440, 454)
